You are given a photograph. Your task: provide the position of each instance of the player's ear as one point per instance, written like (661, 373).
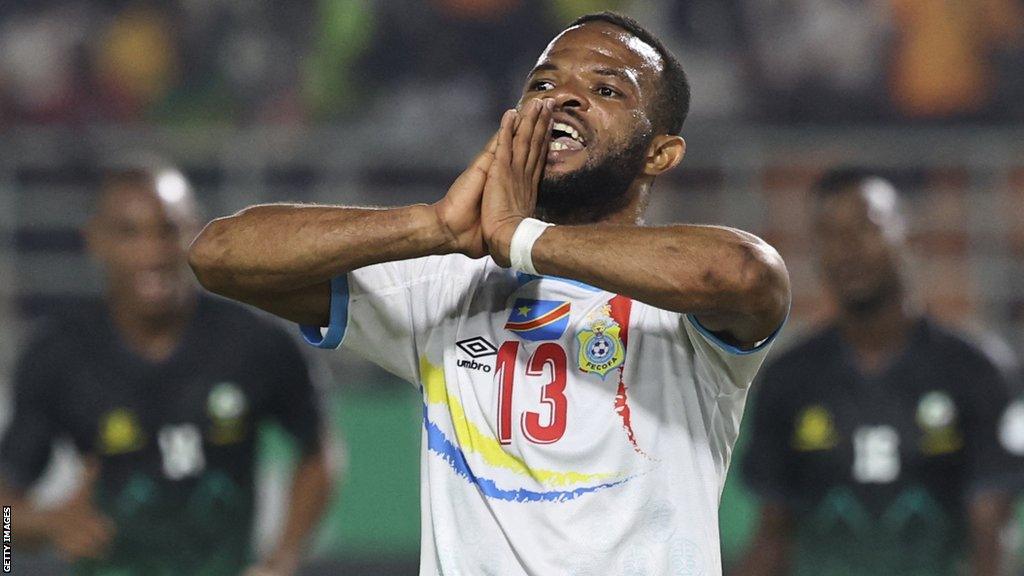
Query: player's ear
(665, 153)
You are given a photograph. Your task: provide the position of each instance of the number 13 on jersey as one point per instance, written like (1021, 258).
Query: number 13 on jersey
(548, 361)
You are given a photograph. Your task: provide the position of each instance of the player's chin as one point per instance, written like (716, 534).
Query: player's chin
(561, 162)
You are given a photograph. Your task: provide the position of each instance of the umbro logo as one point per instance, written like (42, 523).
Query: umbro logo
(477, 347)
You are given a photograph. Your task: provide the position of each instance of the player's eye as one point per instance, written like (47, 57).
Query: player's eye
(541, 85)
(126, 230)
(607, 91)
(168, 231)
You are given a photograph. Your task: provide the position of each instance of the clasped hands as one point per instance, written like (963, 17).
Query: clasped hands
(498, 190)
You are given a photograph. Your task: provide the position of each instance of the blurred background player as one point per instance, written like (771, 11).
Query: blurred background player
(875, 444)
(162, 390)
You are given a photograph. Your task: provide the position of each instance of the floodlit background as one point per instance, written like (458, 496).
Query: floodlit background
(384, 102)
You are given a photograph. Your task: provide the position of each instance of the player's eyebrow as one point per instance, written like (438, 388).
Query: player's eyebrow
(543, 67)
(619, 73)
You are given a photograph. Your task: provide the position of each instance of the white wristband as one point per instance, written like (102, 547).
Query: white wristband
(521, 250)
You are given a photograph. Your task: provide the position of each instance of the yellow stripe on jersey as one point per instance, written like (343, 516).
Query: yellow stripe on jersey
(472, 441)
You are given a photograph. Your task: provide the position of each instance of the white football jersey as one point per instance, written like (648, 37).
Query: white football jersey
(566, 430)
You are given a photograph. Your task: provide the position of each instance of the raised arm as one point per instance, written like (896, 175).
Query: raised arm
(988, 514)
(735, 283)
(307, 500)
(75, 528)
(281, 257)
(771, 546)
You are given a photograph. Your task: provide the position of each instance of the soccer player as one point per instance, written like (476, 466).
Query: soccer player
(162, 390)
(876, 444)
(583, 376)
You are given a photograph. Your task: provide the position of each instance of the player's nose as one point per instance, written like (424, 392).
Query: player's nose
(569, 96)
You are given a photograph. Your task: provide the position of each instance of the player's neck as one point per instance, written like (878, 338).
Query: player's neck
(154, 338)
(633, 213)
(879, 336)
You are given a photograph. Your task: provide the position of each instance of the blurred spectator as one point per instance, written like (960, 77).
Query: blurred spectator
(879, 445)
(40, 59)
(162, 391)
(470, 55)
(818, 60)
(136, 62)
(263, 62)
(946, 55)
(240, 62)
(871, 60)
(708, 35)
(345, 28)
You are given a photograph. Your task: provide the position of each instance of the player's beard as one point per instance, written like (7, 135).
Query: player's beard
(595, 191)
(869, 303)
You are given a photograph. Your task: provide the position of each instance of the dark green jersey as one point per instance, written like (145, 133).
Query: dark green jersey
(175, 440)
(877, 469)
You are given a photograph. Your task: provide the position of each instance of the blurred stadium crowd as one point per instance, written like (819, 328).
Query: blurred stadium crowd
(303, 62)
(381, 102)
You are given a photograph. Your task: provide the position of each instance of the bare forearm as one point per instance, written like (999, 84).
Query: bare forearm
(310, 491)
(280, 247)
(769, 550)
(32, 524)
(765, 558)
(988, 515)
(704, 270)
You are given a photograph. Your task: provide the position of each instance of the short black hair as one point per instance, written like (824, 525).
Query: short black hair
(842, 178)
(672, 102)
(141, 171)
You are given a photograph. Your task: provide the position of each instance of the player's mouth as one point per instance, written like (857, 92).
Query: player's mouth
(154, 285)
(566, 141)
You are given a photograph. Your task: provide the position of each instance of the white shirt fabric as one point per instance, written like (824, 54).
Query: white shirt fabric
(540, 459)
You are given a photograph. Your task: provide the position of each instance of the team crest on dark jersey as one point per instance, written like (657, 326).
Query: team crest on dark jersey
(120, 432)
(815, 430)
(226, 407)
(601, 349)
(937, 418)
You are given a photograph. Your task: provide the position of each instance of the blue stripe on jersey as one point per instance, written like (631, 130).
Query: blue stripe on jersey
(338, 319)
(452, 454)
(731, 348)
(524, 278)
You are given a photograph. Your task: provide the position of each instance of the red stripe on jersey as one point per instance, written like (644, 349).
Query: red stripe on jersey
(548, 318)
(621, 309)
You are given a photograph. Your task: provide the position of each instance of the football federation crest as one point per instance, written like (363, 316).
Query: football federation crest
(537, 320)
(815, 430)
(937, 418)
(226, 406)
(601, 348)
(120, 432)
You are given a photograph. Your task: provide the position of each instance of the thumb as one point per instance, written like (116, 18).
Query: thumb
(484, 160)
(87, 486)
(474, 177)
(482, 163)
(90, 473)
(492, 144)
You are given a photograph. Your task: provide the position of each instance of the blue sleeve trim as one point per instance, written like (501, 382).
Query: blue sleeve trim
(525, 278)
(730, 348)
(338, 320)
